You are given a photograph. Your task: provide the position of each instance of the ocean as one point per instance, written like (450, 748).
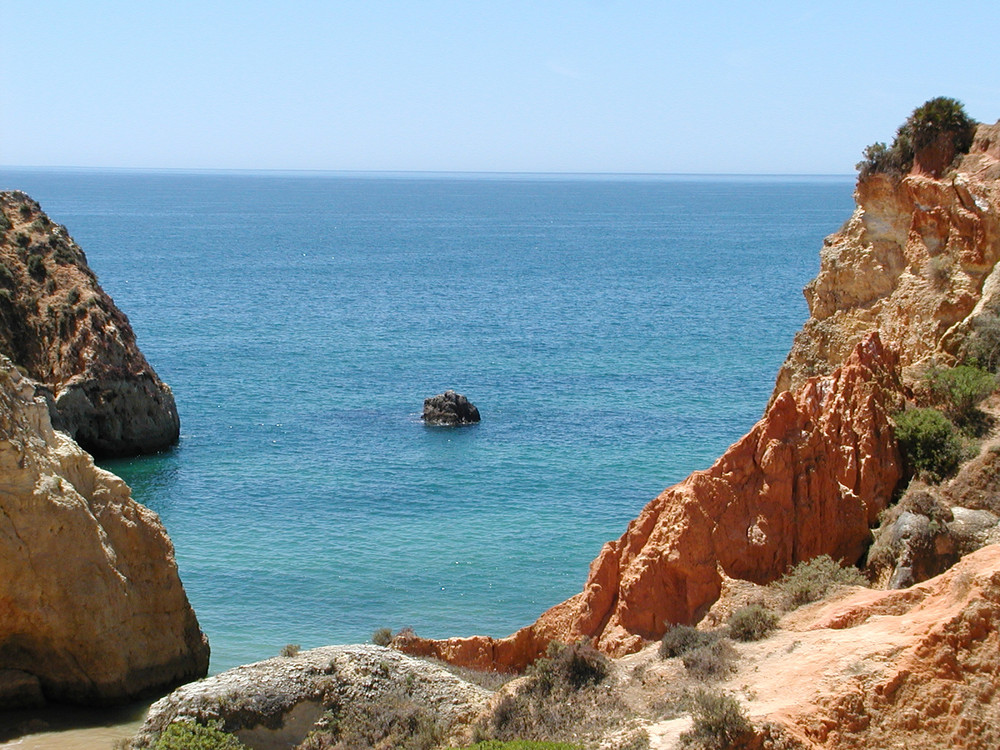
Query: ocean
(615, 332)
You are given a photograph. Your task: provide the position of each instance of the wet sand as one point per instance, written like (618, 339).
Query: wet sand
(70, 728)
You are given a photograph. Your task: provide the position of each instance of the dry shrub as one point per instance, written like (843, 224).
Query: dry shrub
(751, 623)
(391, 721)
(679, 639)
(812, 580)
(719, 722)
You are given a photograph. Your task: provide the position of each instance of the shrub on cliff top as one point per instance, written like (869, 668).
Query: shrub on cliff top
(932, 119)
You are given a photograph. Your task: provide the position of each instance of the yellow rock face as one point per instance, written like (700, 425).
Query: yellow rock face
(91, 606)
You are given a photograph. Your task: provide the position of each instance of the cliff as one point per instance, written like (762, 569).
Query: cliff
(92, 609)
(917, 261)
(63, 331)
(809, 479)
(903, 283)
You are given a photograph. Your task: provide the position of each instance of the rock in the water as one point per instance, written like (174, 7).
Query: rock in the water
(449, 409)
(92, 610)
(65, 333)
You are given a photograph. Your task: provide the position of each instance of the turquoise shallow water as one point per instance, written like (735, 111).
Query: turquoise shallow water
(615, 332)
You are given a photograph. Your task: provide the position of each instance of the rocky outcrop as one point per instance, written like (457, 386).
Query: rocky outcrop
(809, 479)
(63, 331)
(917, 261)
(449, 409)
(275, 704)
(92, 610)
(913, 668)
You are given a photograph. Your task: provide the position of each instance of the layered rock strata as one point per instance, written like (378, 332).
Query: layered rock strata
(809, 479)
(917, 261)
(92, 609)
(63, 331)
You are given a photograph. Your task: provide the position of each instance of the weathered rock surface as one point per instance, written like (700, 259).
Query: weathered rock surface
(274, 704)
(92, 609)
(449, 409)
(912, 668)
(58, 325)
(917, 262)
(809, 479)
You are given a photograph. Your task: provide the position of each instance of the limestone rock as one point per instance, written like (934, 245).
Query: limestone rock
(92, 609)
(449, 409)
(275, 703)
(809, 479)
(917, 262)
(58, 325)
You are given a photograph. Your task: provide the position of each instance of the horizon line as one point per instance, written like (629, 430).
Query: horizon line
(409, 172)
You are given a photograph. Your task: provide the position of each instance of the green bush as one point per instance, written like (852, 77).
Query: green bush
(812, 580)
(382, 637)
(930, 443)
(941, 115)
(36, 267)
(961, 389)
(290, 650)
(679, 639)
(719, 722)
(751, 623)
(935, 117)
(183, 735)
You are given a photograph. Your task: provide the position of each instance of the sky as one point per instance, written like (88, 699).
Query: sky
(622, 86)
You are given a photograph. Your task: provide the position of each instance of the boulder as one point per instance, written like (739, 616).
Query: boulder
(449, 409)
(274, 704)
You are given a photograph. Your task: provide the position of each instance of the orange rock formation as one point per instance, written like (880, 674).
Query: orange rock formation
(809, 479)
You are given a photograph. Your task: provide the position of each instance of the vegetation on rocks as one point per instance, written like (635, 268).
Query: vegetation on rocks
(186, 735)
(930, 444)
(719, 722)
(812, 580)
(752, 623)
(941, 117)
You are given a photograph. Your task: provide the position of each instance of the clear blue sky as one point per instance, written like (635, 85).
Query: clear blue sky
(585, 86)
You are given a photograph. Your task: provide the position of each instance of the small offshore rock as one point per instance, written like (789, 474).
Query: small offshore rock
(449, 409)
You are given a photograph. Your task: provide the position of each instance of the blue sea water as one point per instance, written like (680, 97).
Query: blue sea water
(616, 332)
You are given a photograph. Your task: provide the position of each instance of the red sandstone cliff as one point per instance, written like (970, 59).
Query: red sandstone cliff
(63, 331)
(809, 479)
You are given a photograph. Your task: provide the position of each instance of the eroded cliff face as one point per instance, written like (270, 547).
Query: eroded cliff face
(809, 479)
(917, 261)
(63, 330)
(92, 609)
